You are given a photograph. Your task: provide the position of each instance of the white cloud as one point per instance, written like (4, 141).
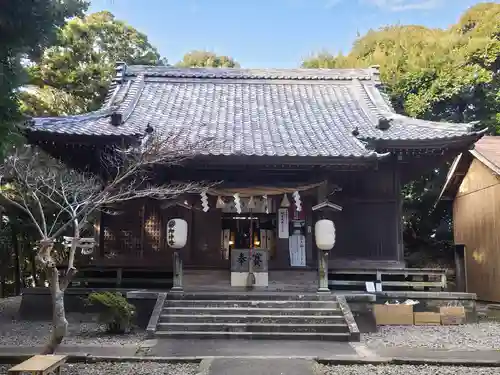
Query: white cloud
(402, 5)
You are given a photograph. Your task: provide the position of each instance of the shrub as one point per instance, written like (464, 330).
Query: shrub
(116, 313)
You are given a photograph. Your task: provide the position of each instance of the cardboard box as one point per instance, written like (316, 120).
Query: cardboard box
(452, 315)
(396, 315)
(427, 318)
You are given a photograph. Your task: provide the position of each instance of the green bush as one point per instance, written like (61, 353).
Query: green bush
(115, 311)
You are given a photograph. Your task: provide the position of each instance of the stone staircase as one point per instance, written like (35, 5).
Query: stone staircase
(250, 315)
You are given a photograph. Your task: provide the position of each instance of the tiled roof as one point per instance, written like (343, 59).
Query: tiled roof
(297, 112)
(487, 149)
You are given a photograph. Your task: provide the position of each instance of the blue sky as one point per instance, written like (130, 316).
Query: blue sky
(271, 33)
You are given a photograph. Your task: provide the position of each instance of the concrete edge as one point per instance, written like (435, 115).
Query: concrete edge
(338, 360)
(349, 319)
(155, 315)
(446, 362)
(204, 367)
(87, 358)
(400, 361)
(428, 295)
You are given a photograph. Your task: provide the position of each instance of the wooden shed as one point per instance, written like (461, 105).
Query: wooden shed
(473, 185)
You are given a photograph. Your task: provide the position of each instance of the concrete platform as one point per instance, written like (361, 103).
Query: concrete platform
(249, 348)
(240, 366)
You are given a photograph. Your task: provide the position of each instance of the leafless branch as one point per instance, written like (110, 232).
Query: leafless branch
(56, 198)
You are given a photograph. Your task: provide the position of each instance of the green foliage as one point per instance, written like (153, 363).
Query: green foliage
(436, 74)
(73, 75)
(116, 312)
(205, 59)
(26, 27)
(445, 75)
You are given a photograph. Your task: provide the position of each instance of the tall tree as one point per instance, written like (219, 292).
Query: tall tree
(205, 59)
(26, 28)
(73, 75)
(435, 74)
(451, 75)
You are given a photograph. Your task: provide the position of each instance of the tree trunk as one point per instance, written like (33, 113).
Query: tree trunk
(59, 321)
(34, 271)
(2, 284)
(57, 289)
(17, 262)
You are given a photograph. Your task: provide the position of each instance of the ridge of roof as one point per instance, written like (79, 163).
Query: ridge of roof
(368, 74)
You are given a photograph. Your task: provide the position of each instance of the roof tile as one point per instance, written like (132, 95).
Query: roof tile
(273, 112)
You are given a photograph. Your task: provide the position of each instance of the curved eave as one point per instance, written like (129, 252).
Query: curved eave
(78, 136)
(428, 143)
(36, 136)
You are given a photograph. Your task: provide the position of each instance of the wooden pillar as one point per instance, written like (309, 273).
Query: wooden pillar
(460, 276)
(310, 262)
(398, 213)
(143, 229)
(99, 234)
(18, 280)
(322, 255)
(191, 238)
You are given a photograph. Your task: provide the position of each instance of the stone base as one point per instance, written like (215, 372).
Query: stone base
(323, 291)
(36, 303)
(493, 312)
(241, 279)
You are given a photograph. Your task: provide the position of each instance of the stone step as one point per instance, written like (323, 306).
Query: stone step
(244, 295)
(254, 303)
(232, 318)
(249, 311)
(254, 327)
(342, 336)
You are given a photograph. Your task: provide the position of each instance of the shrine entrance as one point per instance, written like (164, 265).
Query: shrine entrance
(249, 230)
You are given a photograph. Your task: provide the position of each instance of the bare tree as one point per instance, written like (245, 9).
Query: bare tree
(58, 199)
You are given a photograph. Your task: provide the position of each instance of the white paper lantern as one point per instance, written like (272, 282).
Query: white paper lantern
(324, 231)
(177, 231)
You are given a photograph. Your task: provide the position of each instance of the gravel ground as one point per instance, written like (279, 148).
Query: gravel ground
(81, 330)
(481, 336)
(407, 370)
(127, 368)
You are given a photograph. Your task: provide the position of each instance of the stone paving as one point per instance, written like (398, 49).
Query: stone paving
(264, 349)
(246, 348)
(229, 366)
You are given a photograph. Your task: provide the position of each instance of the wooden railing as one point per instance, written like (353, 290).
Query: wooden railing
(390, 279)
(122, 277)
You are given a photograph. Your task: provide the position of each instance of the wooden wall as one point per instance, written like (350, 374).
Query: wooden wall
(205, 248)
(476, 215)
(136, 236)
(370, 225)
(368, 228)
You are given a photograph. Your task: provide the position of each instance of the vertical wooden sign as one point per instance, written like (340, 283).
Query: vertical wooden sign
(283, 223)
